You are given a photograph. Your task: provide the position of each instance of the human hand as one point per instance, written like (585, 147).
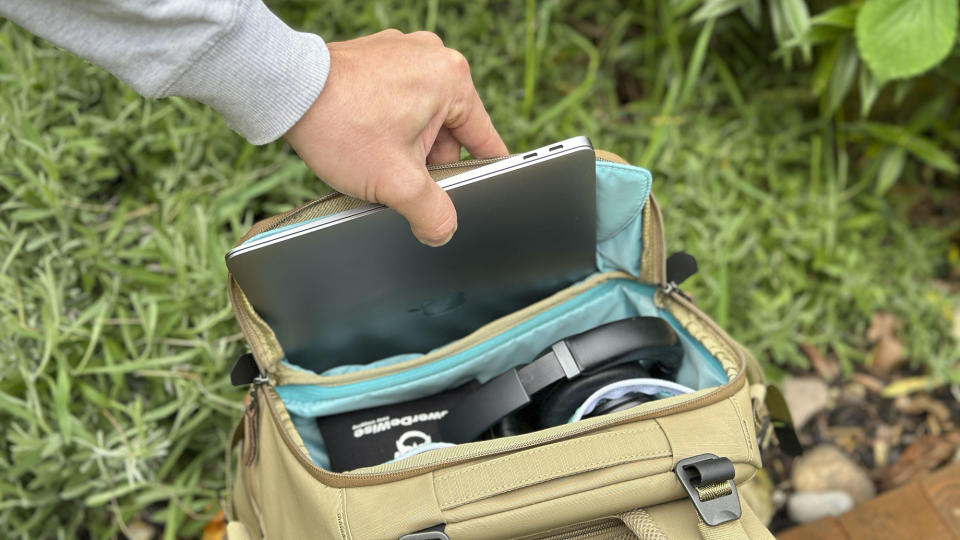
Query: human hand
(392, 103)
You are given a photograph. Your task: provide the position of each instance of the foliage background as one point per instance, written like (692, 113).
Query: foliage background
(813, 193)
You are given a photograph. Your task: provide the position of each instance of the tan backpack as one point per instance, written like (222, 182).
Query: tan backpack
(665, 469)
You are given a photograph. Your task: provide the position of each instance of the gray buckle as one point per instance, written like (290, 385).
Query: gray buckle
(708, 480)
(433, 533)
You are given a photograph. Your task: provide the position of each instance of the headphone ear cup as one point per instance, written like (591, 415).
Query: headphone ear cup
(509, 426)
(559, 404)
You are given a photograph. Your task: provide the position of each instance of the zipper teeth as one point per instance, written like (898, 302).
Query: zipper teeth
(585, 532)
(470, 163)
(661, 241)
(248, 331)
(467, 163)
(294, 214)
(720, 332)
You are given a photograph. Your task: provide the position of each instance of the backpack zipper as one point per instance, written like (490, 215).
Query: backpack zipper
(251, 422)
(585, 532)
(467, 163)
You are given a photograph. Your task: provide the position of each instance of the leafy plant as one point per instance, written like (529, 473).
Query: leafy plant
(116, 334)
(877, 44)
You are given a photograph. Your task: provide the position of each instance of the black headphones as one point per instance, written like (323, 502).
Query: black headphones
(547, 391)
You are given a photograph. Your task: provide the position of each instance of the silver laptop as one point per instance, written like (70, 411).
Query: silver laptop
(355, 287)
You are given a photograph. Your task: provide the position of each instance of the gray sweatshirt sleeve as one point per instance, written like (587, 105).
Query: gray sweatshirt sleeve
(233, 55)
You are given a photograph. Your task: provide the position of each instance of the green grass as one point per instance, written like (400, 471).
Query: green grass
(115, 329)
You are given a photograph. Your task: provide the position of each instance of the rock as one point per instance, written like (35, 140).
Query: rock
(140, 530)
(888, 352)
(827, 468)
(807, 506)
(805, 396)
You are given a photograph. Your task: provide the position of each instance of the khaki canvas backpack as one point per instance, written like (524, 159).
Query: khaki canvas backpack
(665, 469)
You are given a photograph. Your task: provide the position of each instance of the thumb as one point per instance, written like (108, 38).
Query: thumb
(424, 204)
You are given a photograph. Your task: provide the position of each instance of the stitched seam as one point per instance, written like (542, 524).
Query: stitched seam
(743, 429)
(342, 515)
(436, 497)
(673, 454)
(545, 475)
(521, 482)
(643, 204)
(204, 50)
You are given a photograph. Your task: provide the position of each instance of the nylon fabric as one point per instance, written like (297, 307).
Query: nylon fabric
(635, 471)
(545, 463)
(731, 530)
(679, 520)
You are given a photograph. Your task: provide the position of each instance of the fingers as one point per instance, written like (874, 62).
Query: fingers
(427, 38)
(468, 120)
(474, 129)
(428, 208)
(445, 148)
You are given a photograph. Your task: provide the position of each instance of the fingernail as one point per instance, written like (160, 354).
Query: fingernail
(441, 242)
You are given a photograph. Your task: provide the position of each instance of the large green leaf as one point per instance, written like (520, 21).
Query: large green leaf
(900, 39)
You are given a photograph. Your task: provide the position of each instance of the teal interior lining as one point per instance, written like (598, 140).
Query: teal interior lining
(622, 192)
(609, 301)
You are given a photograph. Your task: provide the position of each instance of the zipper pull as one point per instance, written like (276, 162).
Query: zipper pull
(251, 421)
(680, 266)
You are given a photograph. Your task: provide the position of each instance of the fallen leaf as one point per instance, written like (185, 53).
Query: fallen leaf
(882, 323)
(925, 454)
(909, 385)
(216, 528)
(869, 382)
(922, 404)
(826, 367)
(887, 356)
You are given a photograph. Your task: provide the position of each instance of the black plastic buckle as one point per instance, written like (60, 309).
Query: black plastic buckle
(708, 480)
(244, 371)
(433, 533)
(782, 422)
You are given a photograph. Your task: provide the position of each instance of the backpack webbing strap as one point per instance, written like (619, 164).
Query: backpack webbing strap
(672, 521)
(642, 524)
(730, 530)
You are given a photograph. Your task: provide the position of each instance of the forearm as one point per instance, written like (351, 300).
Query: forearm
(233, 55)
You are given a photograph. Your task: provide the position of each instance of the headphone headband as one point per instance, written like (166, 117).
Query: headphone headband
(626, 340)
